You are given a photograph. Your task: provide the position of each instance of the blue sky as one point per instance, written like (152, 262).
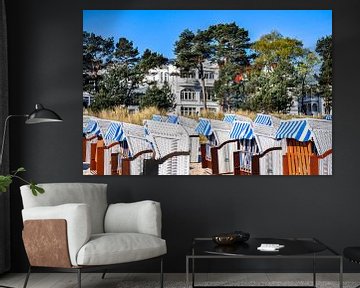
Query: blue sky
(159, 29)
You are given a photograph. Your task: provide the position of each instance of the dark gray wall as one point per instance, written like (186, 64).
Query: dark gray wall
(45, 49)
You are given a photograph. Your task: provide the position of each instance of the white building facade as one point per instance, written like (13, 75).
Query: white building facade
(186, 87)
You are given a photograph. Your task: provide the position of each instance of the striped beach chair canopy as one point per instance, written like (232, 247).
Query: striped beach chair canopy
(91, 126)
(172, 118)
(115, 132)
(230, 118)
(328, 117)
(264, 135)
(316, 130)
(156, 117)
(241, 130)
(204, 127)
(86, 120)
(267, 120)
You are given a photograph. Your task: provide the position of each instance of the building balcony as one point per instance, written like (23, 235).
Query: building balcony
(188, 81)
(209, 82)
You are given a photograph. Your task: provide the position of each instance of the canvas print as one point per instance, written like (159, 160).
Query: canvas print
(207, 92)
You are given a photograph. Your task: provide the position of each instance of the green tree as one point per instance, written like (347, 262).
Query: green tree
(162, 98)
(192, 50)
(97, 53)
(275, 76)
(230, 44)
(306, 75)
(224, 44)
(124, 75)
(324, 49)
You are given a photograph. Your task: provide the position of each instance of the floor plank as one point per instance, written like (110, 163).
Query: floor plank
(116, 280)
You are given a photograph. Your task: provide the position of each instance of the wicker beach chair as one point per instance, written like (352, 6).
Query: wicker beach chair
(126, 149)
(190, 125)
(217, 152)
(259, 152)
(171, 144)
(308, 146)
(93, 135)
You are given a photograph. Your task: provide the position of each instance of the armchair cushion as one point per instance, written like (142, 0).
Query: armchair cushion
(138, 217)
(113, 248)
(92, 194)
(77, 218)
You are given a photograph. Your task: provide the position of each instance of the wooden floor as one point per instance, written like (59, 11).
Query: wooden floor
(118, 280)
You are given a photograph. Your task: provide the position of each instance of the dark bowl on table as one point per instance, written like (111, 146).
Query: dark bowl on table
(231, 238)
(225, 239)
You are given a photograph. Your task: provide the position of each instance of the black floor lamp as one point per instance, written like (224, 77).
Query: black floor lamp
(39, 115)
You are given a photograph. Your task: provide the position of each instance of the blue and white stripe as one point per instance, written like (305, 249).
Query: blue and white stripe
(263, 119)
(115, 132)
(92, 127)
(157, 118)
(328, 117)
(241, 130)
(204, 127)
(172, 119)
(294, 129)
(230, 118)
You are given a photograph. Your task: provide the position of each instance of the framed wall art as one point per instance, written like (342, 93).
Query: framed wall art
(207, 92)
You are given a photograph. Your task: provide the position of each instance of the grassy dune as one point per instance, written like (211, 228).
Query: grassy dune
(122, 114)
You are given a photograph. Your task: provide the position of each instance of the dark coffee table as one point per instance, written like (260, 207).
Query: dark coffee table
(294, 248)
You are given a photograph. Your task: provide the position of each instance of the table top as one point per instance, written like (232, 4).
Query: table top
(293, 247)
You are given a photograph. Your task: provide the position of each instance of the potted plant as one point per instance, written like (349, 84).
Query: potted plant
(6, 180)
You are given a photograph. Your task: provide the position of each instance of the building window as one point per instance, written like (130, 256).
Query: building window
(187, 111)
(209, 75)
(187, 74)
(209, 94)
(187, 94)
(314, 108)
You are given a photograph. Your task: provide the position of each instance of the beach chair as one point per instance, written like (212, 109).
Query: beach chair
(172, 148)
(190, 125)
(308, 146)
(93, 131)
(217, 152)
(259, 152)
(126, 149)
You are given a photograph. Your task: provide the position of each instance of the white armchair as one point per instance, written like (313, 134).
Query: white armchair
(72, 228)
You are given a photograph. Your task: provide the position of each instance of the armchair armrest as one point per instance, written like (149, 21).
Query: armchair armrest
(138, 217)
(78, 225)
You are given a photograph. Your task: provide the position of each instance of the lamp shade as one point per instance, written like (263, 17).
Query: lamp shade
(42, 115)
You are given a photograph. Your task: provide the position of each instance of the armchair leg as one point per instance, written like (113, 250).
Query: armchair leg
(79, 277)
(161, 273)
(103, 275)
(27, 277)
